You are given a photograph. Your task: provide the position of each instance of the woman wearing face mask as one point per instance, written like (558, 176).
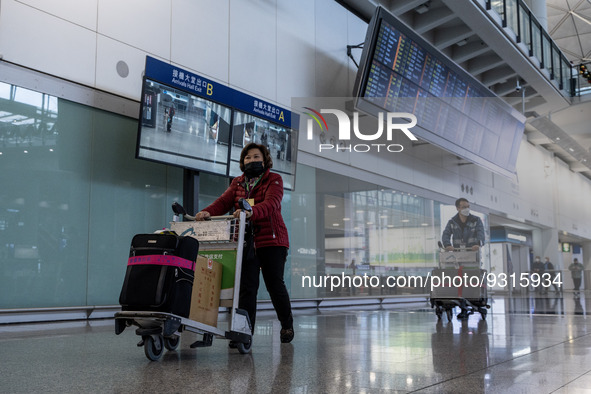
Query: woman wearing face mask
(466, 230)
(264, 191)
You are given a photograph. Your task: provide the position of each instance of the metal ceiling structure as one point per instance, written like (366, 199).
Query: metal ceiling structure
(475, 39)
(473, 36)
(569, 25)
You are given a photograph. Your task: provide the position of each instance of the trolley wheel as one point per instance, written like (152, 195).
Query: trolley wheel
(153, 347)
(244, 348)
(450, 314)
(172, 343)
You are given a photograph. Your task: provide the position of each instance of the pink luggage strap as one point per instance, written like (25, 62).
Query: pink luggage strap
(160, 259)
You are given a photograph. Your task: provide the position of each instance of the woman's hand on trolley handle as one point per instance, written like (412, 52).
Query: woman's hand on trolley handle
(203, 215)
(237, 213)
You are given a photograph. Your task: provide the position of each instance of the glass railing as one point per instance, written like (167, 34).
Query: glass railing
(516, 16)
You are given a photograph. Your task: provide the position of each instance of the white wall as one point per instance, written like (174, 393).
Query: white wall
(277, 50)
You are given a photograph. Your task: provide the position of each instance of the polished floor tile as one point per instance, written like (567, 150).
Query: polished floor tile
(525, 345)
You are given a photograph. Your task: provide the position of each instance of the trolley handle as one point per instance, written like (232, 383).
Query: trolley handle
(460, 249)
(179, 210)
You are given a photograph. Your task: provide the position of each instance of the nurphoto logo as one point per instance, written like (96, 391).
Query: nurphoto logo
(392, 124)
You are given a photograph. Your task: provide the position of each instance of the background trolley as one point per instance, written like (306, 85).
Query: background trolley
(160, 330)
(469, 292)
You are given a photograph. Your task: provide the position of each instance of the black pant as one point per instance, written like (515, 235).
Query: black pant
(577, 282)
(271, 262)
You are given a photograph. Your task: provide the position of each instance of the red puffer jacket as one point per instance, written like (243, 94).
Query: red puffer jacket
(266, 216)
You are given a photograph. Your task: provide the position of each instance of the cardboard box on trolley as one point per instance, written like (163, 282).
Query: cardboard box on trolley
(227, 260)
(210, 233)
(205, 299)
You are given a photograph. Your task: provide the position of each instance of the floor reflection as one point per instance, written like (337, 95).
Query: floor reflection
(552, 303)
(526, 345)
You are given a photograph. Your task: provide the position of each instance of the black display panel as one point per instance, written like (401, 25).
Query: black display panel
(401, 72)
(278, 139)
(183, 130)
(189, 121)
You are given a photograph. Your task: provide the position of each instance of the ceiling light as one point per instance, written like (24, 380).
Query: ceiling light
(405, 220)
(335, 224)
(346, 219)
(331, 206)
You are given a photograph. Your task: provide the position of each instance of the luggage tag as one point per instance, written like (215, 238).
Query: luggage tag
(250, 201)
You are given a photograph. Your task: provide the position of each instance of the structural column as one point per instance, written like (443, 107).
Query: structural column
(586, 260)
(545, 243)
(540, 10)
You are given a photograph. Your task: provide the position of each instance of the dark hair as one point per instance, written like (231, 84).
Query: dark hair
(459, 201)
(267, 161)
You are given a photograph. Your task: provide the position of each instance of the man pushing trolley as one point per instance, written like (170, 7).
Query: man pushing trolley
(460, 262)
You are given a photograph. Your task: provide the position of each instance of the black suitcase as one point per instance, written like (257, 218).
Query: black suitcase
(160, 273)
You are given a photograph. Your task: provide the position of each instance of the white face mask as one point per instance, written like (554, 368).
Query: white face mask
(465, 211)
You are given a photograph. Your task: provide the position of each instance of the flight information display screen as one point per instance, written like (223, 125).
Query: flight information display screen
(401, 72)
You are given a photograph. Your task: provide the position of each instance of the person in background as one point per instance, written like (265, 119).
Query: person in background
(537, 269)
(170, 118)
(263, 189)
(549, 268)
(576, 270)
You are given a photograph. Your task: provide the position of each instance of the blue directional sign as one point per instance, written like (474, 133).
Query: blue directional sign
(198, 85)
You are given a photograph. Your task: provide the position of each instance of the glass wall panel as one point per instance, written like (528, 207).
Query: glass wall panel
(524, 31)
(72, 197)
(567, 72)
(210, 187)
(127, 197)
(354, 238)
(537, 40)
(557, 63)
(512, 15)
(547, 54)
(497, 6)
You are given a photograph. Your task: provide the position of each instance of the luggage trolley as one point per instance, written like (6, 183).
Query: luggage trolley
(160, 330)
(471, 294)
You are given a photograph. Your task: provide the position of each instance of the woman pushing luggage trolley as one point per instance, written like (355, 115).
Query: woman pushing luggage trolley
(156, 293)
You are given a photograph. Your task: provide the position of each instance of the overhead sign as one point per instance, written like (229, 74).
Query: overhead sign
(204, 87)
